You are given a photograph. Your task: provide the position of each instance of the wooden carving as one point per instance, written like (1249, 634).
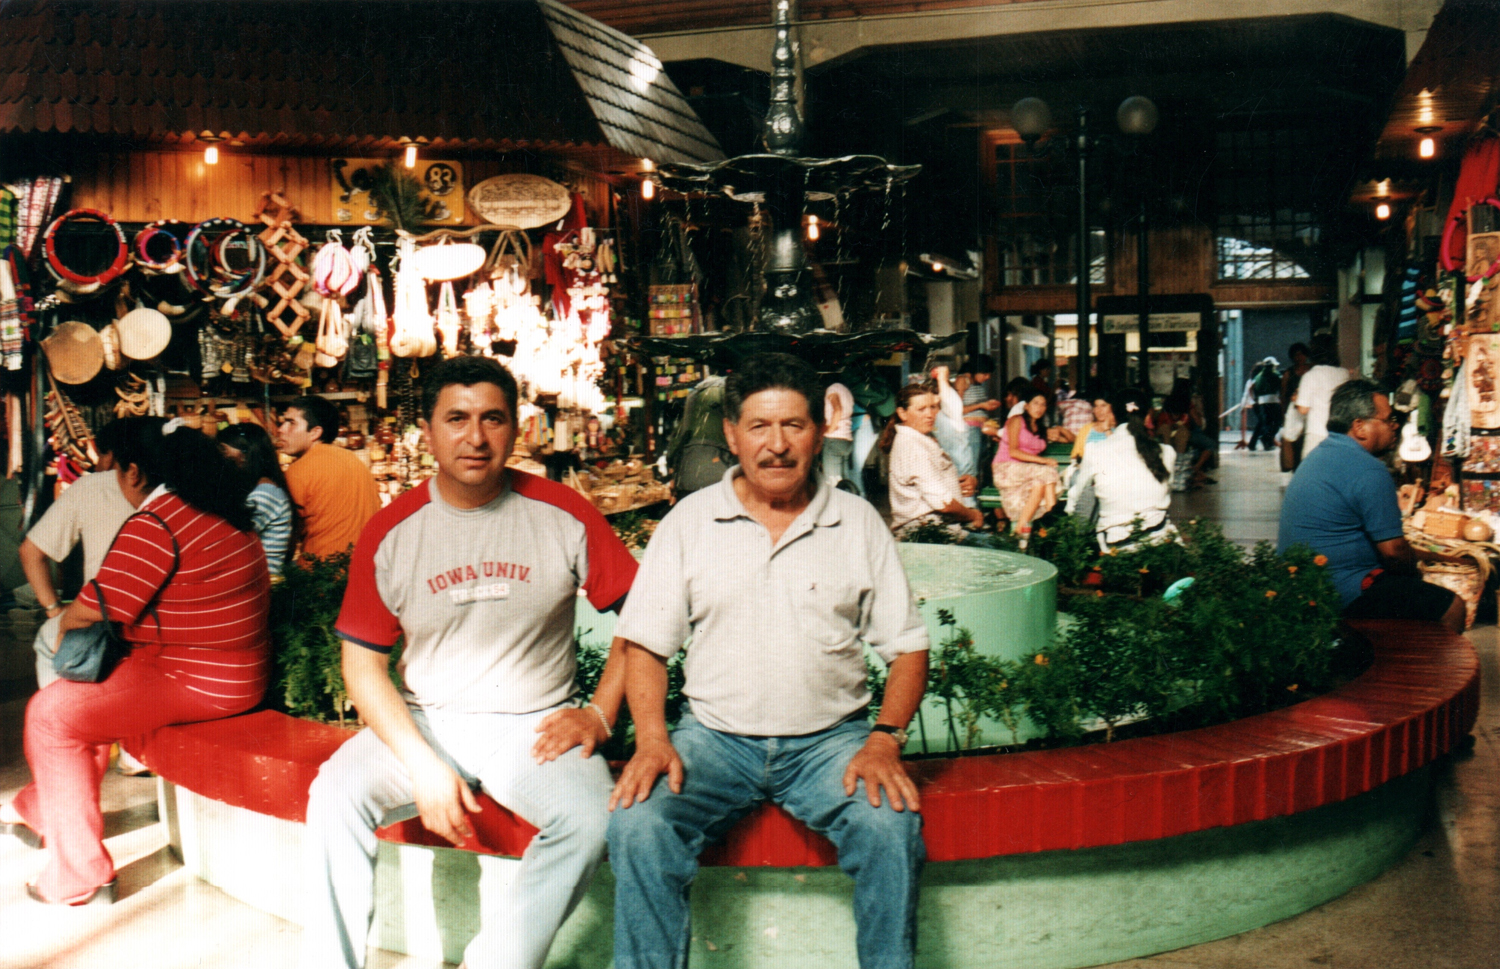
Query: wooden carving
(287, 278)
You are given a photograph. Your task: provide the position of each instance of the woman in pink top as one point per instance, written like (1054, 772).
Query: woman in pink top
(1027, 482)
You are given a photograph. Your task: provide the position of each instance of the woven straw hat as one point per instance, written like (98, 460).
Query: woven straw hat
(144, 333)
(74, 352)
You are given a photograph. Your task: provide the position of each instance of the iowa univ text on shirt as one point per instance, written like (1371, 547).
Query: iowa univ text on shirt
(483, 596)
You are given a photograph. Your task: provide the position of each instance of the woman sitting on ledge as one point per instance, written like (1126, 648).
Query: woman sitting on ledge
(1128, 476)
(925, 486)
(186, 584)
(1027, 482)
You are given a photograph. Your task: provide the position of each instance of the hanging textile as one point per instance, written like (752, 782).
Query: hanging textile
(1478, 176)
(552, 260)
(8, 217)
(1455, 440)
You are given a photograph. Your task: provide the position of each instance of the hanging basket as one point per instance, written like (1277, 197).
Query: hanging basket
(1464, 579)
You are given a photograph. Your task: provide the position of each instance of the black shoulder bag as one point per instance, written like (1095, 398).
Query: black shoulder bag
(90, 654)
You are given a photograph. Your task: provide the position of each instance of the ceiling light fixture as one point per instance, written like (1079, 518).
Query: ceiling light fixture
(1382, 211)
(1427, 147)
(210, 153)
(812, 228)
(648, 190)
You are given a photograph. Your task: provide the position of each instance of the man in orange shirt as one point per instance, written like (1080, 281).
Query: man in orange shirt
(334, 492)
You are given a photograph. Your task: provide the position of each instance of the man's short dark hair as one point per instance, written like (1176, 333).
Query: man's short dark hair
(1354, 400)
(467, 371)
(318, 413)
(1040, 365)
(773, 371)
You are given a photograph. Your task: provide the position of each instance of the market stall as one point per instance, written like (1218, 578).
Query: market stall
(198, 252)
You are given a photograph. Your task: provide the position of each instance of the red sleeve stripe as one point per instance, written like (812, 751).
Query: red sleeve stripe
(364, 617)
(611, 567)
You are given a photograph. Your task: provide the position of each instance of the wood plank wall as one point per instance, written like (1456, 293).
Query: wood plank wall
(142, 186)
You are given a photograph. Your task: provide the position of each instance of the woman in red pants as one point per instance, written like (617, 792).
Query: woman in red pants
(187, 585)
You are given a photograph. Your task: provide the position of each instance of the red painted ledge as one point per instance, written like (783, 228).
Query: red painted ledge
(1417, 700)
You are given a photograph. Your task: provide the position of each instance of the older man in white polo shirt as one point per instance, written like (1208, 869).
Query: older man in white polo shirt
(781, 581)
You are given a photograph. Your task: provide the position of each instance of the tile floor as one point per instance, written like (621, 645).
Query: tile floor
(1439, 908)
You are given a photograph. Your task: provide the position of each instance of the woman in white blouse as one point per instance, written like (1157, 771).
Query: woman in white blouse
(1129, 476)
(925, 487)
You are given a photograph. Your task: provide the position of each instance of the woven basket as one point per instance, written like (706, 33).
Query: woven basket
(1464, 579)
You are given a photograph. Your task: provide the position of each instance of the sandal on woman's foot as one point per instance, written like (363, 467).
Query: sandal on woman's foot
(103, 895)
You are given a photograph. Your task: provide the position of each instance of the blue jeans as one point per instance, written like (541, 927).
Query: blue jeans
(654, 845)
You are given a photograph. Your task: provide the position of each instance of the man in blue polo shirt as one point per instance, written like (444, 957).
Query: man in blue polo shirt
(1342, 504)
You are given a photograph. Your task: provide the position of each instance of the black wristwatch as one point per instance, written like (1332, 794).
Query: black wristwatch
(898, 732)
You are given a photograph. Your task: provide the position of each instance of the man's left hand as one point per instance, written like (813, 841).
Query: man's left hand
(563, 730)
(878, 764)
(968, 485)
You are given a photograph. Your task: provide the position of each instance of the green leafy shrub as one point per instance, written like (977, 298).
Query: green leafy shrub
(1252, 632)
(309, 677)
(930, 533)
(591, 660)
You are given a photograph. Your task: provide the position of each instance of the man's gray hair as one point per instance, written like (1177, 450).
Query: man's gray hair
(1353, 401)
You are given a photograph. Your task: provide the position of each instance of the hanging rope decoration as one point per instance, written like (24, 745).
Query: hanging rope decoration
(210, 242)
(334, 277)
(412, 334)
(117, 263)
(287, 278)
(151, 238)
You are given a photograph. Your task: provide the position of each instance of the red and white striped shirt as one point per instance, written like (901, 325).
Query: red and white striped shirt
(208, 628)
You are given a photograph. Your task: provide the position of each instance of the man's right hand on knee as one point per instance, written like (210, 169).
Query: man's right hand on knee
(443, 800)
(652, 759)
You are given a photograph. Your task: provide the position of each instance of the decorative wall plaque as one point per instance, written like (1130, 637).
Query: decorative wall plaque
(524, 201)
(1484, 402)
(442, 183)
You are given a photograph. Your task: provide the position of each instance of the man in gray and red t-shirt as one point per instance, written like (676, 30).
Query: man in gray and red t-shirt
(479, 569)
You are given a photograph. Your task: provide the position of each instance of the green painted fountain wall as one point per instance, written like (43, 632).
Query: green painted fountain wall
(1051, 910)
(1007, 601)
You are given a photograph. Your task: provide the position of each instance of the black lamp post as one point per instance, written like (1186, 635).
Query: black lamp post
(1136, 116)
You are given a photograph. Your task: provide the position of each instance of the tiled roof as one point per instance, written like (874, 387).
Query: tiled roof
(321, 72)
(663, 16)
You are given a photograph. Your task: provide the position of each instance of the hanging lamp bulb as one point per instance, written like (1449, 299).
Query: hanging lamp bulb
(812, 228)
(411, 156)
(648, 190)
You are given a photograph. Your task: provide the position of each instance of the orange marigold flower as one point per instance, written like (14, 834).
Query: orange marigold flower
(1292, 688)
(1041, 660)
(1320, 560)
(1041, 533)
(1270, 593)
(1312, 602)
(1292, 569)
(1099, 594)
